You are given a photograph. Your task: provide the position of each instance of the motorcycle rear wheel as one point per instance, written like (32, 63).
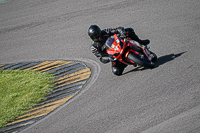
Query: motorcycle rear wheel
(142, 61)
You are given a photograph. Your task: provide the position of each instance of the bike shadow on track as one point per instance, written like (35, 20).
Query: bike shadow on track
(167, 58)
(160, 61)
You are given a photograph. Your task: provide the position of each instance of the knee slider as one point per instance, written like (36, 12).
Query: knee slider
(116, 71)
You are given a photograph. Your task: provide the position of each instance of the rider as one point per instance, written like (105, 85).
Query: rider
(99, 38)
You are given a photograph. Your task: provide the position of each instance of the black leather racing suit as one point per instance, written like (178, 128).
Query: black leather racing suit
(99, 50)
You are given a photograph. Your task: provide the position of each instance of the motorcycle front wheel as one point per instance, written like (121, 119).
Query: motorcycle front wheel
(142, 61)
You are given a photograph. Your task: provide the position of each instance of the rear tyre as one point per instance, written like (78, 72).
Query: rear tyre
(142, 61)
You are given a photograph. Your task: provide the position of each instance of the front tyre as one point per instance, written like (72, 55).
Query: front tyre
(142, 61)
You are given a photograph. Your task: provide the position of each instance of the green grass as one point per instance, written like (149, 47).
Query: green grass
(21, 91)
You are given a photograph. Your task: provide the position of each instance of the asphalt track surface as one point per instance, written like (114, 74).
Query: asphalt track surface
(165, 99)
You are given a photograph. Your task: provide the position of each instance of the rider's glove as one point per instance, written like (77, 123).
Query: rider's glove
(121, 31)
(123, 35)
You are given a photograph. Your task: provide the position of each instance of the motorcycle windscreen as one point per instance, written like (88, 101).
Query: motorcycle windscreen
(114, 45)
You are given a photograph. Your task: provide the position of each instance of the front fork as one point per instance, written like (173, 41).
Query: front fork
(147, 53)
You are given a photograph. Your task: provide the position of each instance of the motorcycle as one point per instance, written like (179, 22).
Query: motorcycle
(129, 52)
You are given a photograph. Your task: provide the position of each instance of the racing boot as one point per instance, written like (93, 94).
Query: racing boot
(131, 33)
(144, 42)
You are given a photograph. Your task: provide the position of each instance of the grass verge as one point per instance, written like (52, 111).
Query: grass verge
(21, 91)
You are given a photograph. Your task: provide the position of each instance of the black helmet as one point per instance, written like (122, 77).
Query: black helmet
(94, 32)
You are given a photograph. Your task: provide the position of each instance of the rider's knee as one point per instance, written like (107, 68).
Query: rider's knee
(129, 30)
(117, 71)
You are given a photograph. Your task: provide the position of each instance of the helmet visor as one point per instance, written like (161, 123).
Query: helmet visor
(96, 36)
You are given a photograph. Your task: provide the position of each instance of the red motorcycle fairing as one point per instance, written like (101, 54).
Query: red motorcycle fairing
(116, 46)
(123, 50)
